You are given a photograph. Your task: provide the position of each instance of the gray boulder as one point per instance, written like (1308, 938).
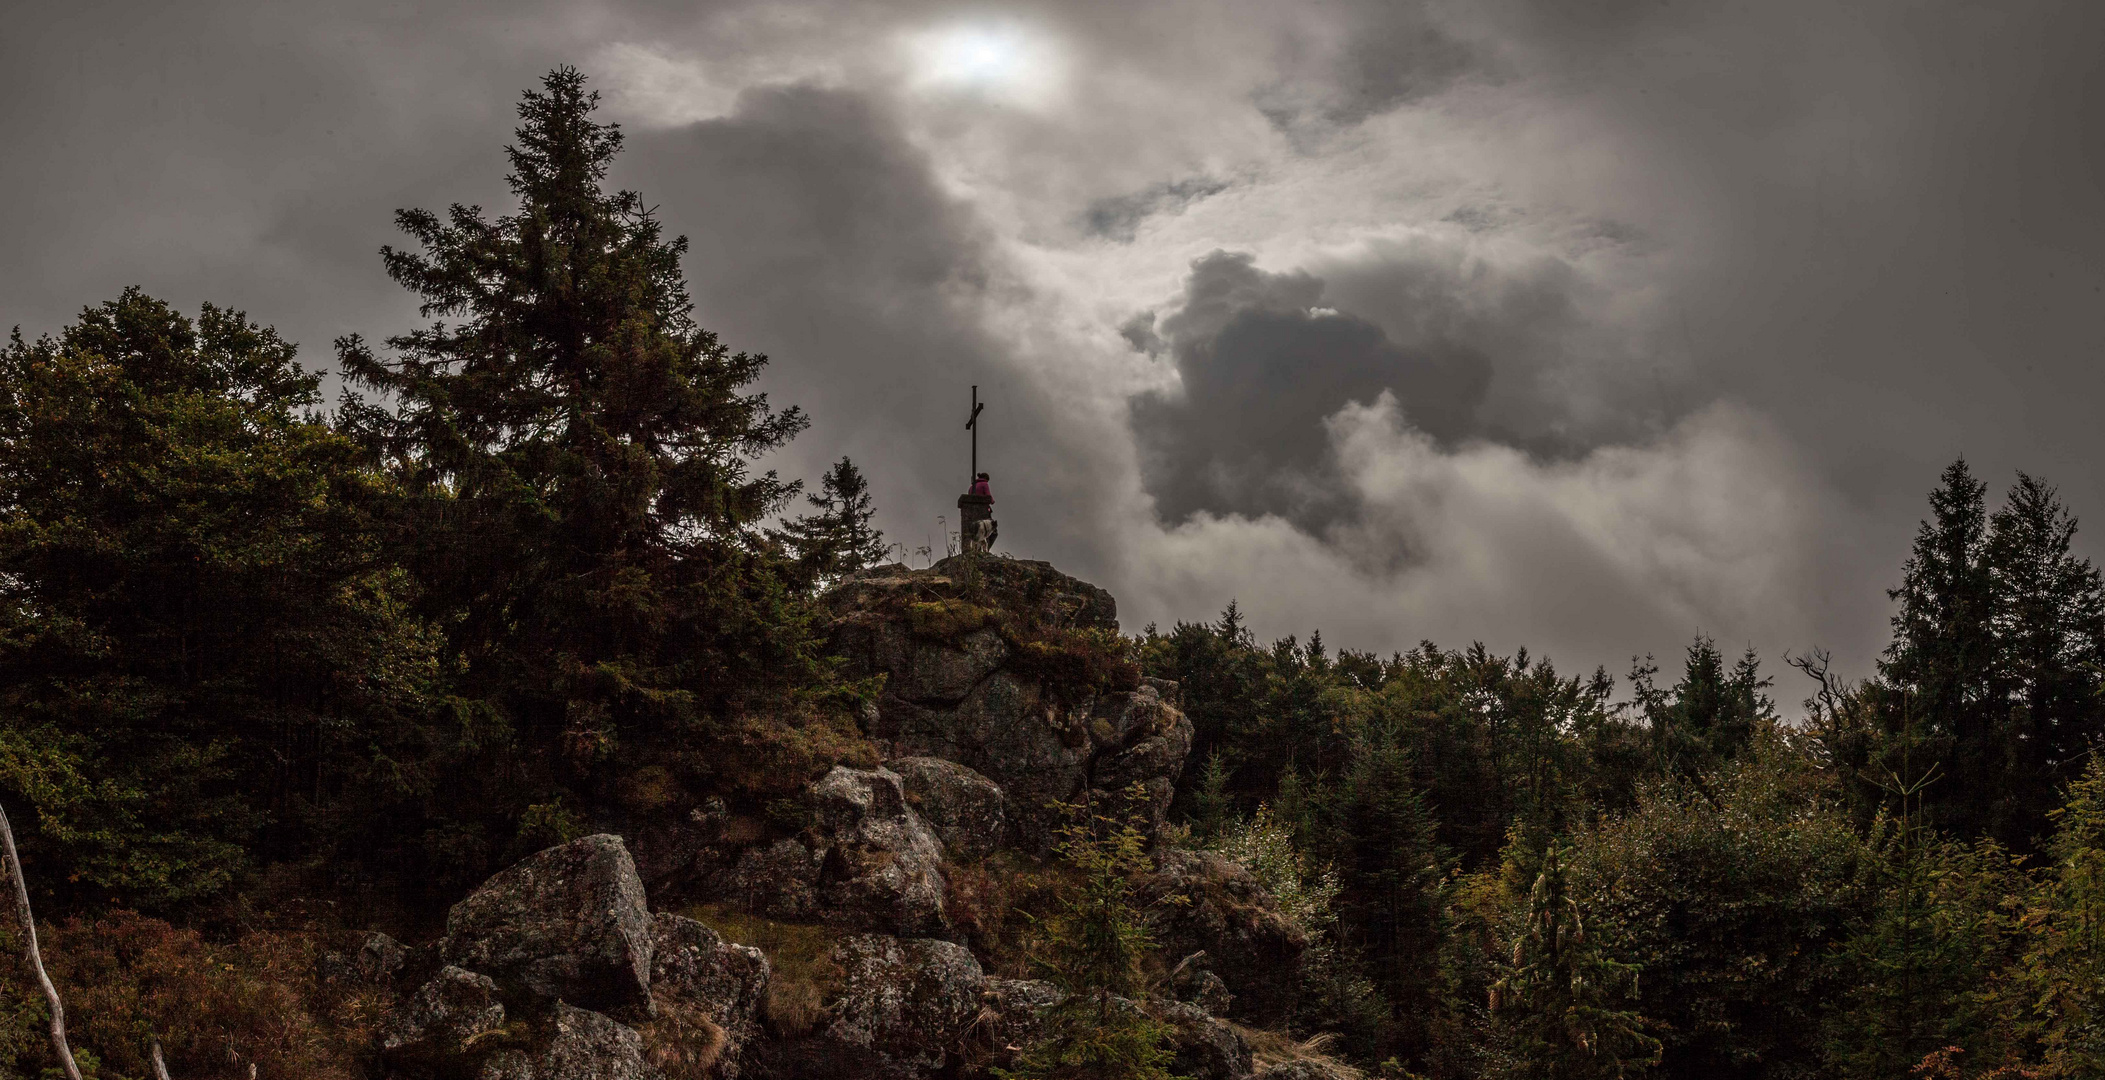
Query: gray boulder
(1193, 980)
(568, 923)
(901, 1012)
(380, 957)
(1012, 1016)
(779, 880)
(1152, 740)
(1205, 1048)
(882, 868)
(867, 862)
(708, 994)
(572, 1044)
(441, 1025)
(967, 811)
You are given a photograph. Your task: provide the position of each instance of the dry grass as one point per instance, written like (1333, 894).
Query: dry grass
(758, 756)
(803, 976)
(1270, 1048)
(681, 1042)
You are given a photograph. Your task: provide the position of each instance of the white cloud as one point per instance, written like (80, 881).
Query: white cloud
(1718, 526)
(652, 88)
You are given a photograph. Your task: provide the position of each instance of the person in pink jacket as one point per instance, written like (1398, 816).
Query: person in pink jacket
(979, 486)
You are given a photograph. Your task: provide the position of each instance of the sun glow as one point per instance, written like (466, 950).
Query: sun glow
(1001, 61)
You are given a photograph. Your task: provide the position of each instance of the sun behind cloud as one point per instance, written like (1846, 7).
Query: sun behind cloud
(1001, 61)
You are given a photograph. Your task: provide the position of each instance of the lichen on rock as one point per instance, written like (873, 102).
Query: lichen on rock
(567, 923)
(708, 995)
(968, 812)
(1057, 713)
(900, 1011)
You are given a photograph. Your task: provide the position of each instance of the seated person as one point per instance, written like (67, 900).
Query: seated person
(979, 486)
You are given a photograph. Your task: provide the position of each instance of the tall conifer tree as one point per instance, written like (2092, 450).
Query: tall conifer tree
(1943, 652)
(579, 454)
(2049, 625)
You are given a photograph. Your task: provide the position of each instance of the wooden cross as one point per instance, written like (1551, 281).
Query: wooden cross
(972, 425)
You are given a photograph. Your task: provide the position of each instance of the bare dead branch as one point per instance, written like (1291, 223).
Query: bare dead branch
(36, 959)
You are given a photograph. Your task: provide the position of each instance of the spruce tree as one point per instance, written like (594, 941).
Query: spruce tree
(578, 455)
(1561, 1011)
(1997, 661)
(837, 540)
(2049, 625)
(1092, 947)
(1943, 656)
(1390, 866)
(1210, 804)
(1708, 717)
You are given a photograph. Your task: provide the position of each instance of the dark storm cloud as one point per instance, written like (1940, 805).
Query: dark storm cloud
(1261, 364)
(250, 155)
(821, 237)
(1615, 263)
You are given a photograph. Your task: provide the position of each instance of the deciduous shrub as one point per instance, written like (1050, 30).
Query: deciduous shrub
(217, 1009)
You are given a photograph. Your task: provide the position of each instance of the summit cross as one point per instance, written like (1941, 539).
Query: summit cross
(972, 425)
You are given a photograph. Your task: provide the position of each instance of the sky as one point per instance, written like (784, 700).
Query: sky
(1584, 326)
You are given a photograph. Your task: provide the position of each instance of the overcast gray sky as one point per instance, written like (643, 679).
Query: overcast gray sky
(1579, 325)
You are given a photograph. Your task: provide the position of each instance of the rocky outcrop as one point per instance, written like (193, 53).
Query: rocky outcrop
(1211, 904)
(1006, 691)
(1033, 591)
(1205, 1048)
(442, 1022)
(708, 995)
(559, 931)
(1013, 670)
(866, 862)
(569, 923)
(967, 811)
(572, 1044)
(901, 1012)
